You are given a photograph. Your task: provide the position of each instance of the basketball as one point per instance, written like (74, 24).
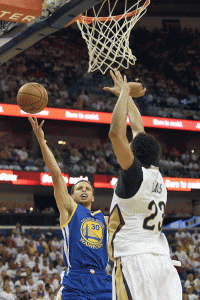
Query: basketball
(32, 98)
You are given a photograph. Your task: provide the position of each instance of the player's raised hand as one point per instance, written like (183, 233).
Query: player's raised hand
(37, 128)
(118, 83)
(136, 89)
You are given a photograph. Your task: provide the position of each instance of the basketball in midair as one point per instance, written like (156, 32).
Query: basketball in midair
(32, 98)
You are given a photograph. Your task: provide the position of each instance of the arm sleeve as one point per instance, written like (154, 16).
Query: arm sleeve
(129, 180)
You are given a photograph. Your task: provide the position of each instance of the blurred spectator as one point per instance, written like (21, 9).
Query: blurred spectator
(22, 256)
(18, 292)
(84, 97)
(190, 281)
(12, 267)
(31, 262)
(177, 167)
(196, 236)
(18, 229)
(22, 155)
(40, 289)
(91, 167)
(197, 283)
(9, 241)
(32, 249)
(172, 242)
(20, 240)
(75, 155)
(191, 294)
(7, 294)
(78, 104)
(34, 295)
(6, 155)
(61, 266)
(183, 258)
(101, 165)
(22, 283)
(36, 273)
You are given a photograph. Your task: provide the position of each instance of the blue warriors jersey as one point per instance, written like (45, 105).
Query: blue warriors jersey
(85, 240)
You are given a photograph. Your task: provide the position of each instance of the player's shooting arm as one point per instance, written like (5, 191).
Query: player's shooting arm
(118, 127)
(63, 200)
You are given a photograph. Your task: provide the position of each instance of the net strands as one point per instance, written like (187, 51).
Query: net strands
(107, 38)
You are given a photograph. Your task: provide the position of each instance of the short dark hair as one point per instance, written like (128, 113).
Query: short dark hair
(82, 180)
(146, 148)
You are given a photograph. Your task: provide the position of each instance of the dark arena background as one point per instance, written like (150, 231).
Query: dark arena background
(166, 43)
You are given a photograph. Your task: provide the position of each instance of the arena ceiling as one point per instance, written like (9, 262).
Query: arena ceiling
(171, 8)
(163, 8)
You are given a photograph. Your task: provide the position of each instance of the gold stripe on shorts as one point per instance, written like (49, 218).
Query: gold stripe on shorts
(122, 289)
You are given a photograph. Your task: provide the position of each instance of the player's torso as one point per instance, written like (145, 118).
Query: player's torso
(135, 223)
(85, 240)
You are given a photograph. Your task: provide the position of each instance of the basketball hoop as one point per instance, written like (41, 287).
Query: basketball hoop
(107, 37)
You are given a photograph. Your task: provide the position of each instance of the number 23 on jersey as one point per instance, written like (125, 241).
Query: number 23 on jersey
(156, 216)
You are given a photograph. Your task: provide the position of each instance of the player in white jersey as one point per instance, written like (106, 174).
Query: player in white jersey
(143, 269)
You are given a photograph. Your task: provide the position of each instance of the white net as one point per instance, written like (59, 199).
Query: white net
(107, 38)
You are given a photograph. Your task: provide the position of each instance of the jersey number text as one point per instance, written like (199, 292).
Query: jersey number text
(160, 207)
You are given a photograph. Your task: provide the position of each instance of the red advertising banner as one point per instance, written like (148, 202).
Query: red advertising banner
(100, 181)
(98, 117)
(171, 183)
(34, 178)
(181, 184)
(168, 123)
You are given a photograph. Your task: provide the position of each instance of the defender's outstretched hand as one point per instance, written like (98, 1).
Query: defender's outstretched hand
(37, 128)
(136, 88)
(118, 83)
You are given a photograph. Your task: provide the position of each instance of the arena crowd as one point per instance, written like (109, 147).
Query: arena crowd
(167, 61)
(31, 262)
(95, 159)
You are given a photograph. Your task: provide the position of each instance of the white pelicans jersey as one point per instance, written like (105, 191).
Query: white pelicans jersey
(137, 212)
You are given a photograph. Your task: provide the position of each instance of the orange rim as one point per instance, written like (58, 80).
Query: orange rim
(89, 20)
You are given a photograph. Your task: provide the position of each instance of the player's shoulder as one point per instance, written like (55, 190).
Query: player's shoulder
(129, 181)
(99, 215)
(152, 172)
(96, 212)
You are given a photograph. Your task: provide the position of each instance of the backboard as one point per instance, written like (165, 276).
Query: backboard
(15, 37)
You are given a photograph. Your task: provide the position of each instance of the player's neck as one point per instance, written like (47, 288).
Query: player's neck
(87, 206)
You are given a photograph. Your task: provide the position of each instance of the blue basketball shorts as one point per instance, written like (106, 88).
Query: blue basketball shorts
(89, 284)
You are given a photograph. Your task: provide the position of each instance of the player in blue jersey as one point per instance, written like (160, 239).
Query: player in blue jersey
(85, 235)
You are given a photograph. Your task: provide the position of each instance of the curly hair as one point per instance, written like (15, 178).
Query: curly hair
(146, 148)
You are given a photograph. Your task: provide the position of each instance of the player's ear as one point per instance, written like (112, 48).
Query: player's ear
(92, 198)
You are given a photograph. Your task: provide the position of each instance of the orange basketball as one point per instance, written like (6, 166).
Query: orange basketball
(32, 98)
